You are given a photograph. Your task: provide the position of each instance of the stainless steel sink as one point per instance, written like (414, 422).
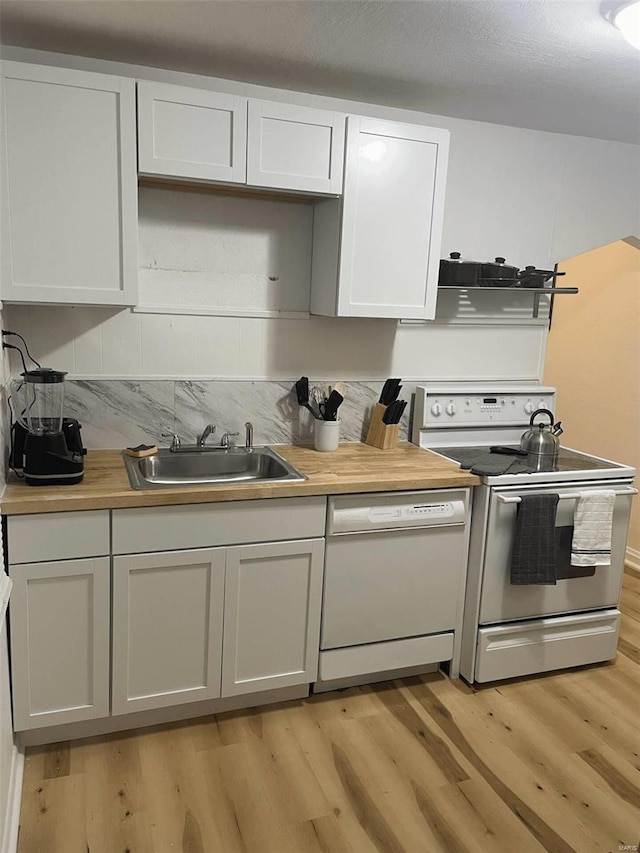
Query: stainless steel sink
(210, 466)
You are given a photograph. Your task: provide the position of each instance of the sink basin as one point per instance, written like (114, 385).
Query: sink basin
(210, 466)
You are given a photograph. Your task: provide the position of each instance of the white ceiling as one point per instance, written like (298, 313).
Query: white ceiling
(553, 65)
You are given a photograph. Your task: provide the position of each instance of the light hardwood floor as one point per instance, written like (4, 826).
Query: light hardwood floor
(547, 763)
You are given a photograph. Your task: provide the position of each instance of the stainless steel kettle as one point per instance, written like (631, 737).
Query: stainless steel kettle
(541, 441)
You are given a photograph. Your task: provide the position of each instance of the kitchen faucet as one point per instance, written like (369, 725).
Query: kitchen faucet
(248, 440)
(208, 430)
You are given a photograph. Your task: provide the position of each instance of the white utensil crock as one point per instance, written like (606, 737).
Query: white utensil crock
(326, 435)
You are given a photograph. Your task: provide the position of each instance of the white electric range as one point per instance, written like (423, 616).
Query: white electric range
(513, 630)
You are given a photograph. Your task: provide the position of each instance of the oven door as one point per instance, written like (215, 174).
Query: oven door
(577, 589)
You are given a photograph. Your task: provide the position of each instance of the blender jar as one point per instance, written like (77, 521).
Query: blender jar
(42, 398)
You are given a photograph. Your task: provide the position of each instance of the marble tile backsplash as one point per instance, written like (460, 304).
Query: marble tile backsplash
(121, 413)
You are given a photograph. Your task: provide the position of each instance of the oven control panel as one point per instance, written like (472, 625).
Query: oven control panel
(448, 408)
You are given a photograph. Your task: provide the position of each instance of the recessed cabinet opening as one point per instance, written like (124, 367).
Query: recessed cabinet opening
(222, 253)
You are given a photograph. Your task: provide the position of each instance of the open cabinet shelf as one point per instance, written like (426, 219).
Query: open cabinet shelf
(537, 292)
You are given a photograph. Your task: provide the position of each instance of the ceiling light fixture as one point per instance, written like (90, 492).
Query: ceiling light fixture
(627, 20)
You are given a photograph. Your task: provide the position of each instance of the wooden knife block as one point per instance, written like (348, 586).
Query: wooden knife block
(381, 435)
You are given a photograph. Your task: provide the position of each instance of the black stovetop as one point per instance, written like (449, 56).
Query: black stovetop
(480, 460)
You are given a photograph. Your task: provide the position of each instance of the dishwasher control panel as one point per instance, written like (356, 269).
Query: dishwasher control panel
(355, 515)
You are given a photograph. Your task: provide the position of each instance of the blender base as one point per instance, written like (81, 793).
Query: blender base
(49, 462)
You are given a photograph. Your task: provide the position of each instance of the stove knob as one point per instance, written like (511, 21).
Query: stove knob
(451, 409)
(436, 410)
(528, 407)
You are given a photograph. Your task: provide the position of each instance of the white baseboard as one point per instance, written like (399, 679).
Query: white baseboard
(632, 559)
(9, 841)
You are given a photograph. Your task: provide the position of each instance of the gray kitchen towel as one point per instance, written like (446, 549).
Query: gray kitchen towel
(485, 464)
(533, 559)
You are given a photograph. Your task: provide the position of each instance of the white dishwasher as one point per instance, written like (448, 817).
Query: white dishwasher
(394, 578)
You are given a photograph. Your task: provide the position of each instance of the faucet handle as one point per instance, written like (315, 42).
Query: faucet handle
(175, 443)
(225, 440)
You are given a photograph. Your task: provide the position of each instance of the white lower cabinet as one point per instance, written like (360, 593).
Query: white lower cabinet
(168, 612)
(273, 598)
(60, 642)
(167, 628)
(94, 636)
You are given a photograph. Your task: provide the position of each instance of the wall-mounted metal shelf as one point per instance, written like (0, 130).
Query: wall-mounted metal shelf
(537, 292)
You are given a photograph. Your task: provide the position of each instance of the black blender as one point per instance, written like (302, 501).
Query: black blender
(46, 446)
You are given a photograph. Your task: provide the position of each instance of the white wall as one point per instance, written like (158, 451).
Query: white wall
(533, 197)
(107, 344)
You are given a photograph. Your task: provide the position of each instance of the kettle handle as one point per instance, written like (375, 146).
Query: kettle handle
(542, 412)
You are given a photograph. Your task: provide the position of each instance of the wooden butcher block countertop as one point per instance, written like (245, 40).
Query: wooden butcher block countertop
(351, 469)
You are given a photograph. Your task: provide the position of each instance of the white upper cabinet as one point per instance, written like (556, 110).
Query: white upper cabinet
(295, 148)
(195, 134)
(377, 250)
(191, 133)
(69, 186)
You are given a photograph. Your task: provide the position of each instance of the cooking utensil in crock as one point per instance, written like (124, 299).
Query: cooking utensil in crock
(329, 409)
(456, 271)
(302, 392)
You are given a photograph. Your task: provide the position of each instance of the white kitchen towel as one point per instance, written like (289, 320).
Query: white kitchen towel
(592, 522)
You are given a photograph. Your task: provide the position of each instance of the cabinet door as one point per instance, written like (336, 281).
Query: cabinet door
(191, 133)
(69, 207)
(388, 231)
(272, 616)
(167, 628)
(60, 642)
(295, 148)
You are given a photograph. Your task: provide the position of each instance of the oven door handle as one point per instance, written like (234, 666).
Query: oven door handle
(568, 496)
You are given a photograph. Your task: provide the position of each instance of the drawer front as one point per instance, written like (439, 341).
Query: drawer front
(58, 536)
(208, 525)
(542, 645)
